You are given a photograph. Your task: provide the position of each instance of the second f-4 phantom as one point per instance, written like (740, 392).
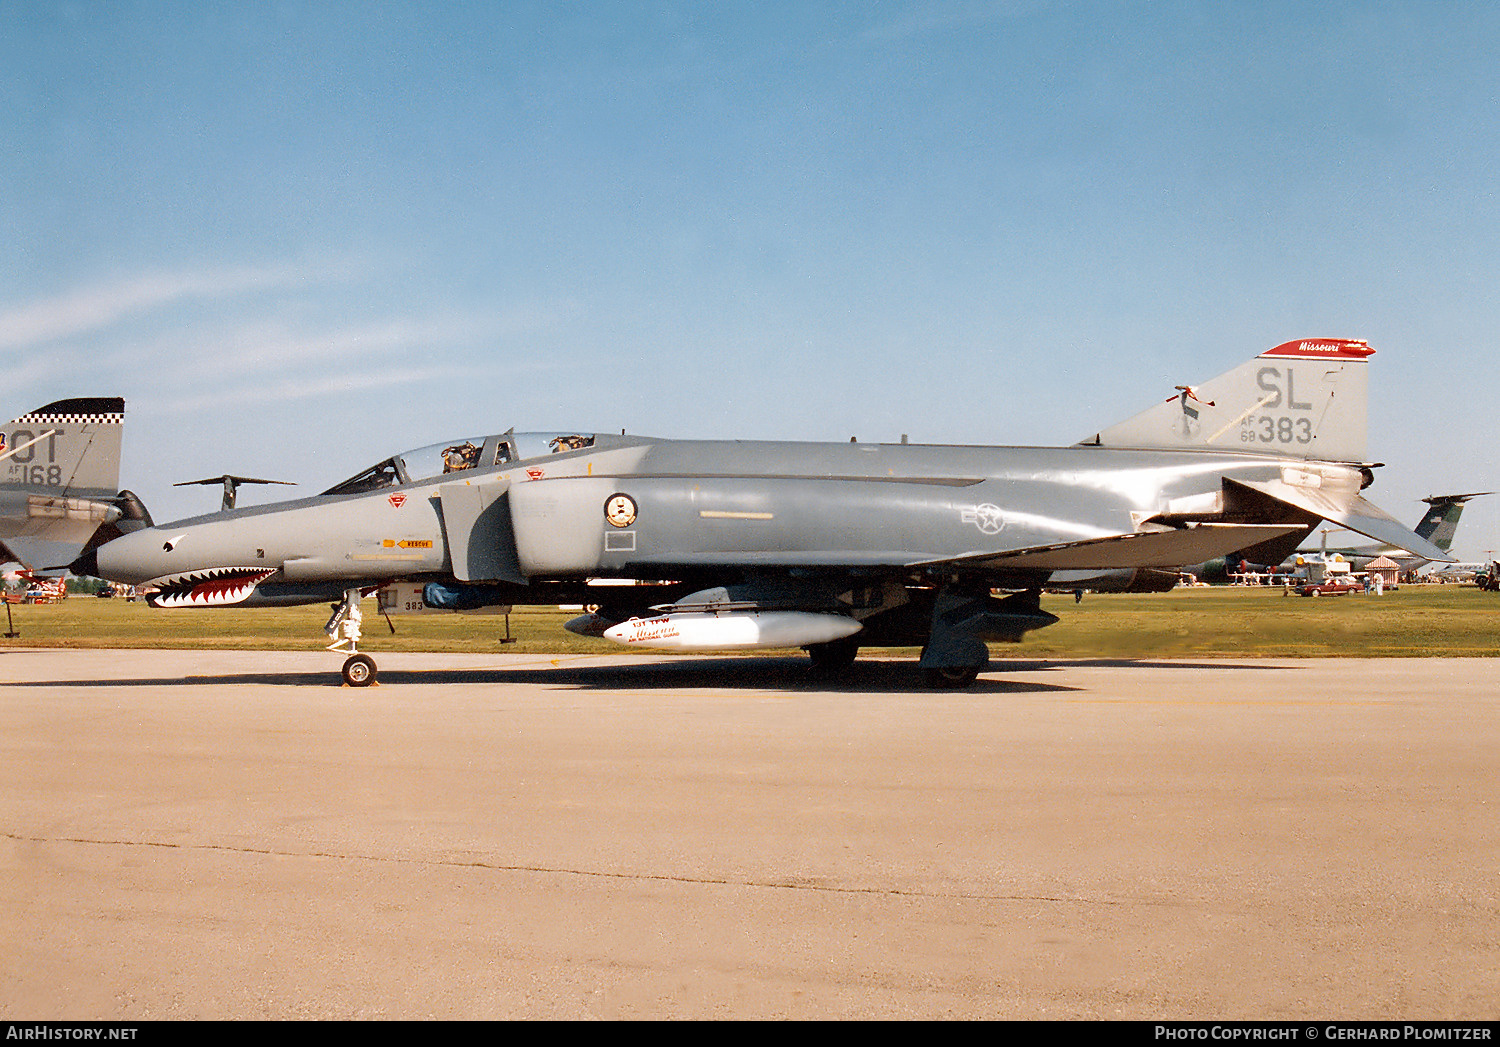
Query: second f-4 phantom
(826, 546)
(59, 479)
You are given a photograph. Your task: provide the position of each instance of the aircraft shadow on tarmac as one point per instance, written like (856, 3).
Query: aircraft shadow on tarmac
(782, 674)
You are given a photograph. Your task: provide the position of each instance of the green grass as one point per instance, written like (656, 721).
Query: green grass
(91, 622)
(1414, 621)
(1219, 622)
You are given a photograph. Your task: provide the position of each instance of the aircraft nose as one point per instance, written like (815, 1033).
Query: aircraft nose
(131, 558)
(87, 564)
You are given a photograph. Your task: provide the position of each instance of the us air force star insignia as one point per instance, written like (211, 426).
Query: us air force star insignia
(988, 518)
(620, 510)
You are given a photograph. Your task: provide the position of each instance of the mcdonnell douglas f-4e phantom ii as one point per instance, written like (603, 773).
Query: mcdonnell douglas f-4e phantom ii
(825, 546)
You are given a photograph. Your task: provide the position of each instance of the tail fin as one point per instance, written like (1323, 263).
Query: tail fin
(1440, 523)
(59, 474)
(68, 448)
(1304, 398)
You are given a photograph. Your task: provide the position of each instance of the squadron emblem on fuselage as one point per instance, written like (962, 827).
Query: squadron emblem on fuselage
(620, 510)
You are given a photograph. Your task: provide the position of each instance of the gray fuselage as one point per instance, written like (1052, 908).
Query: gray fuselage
(712, 506)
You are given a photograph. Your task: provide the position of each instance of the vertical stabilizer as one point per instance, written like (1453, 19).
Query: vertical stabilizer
(1305, 398)
(69, 447)
(1440, 523)
(59, 475)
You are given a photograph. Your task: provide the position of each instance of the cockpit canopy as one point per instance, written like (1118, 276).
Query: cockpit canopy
(452, 456)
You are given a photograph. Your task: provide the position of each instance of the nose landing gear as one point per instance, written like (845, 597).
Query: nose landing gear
(359, 669)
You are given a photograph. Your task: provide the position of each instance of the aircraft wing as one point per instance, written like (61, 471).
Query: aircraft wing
(1161, 549)
(1359, 516)
(1164, 549)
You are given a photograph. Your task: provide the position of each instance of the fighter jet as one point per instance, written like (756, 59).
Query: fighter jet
(829, 547)
(59, 480)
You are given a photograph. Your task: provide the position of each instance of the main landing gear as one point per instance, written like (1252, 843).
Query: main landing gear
(950, 678)
(834, 658)
(359, 669)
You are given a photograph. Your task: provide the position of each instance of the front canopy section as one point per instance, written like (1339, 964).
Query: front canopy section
(453, 456)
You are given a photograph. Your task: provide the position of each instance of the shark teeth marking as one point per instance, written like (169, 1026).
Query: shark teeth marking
(213, 587)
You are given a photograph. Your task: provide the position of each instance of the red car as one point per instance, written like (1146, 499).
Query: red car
(1330, 587)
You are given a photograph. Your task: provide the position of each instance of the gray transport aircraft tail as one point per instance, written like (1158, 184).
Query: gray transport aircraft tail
(1440, 523)
(59, 478)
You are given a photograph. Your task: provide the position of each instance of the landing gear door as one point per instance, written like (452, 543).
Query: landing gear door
(476, 523)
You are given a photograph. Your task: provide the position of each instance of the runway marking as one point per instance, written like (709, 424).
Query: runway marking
(705, 881)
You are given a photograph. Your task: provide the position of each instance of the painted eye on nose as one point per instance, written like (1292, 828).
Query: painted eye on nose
(171, 543)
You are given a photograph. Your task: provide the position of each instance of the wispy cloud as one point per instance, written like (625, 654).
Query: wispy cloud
(26, 374)
(293, 389)
(101, 306)
(265, 337)
(267, 346)
(276, 361)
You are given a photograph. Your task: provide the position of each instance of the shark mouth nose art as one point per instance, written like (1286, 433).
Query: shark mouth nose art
(213, 587)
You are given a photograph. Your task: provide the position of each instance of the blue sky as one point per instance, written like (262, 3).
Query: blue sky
(297, 237)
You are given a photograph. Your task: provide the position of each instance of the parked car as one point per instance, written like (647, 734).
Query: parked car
(1331, 587)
